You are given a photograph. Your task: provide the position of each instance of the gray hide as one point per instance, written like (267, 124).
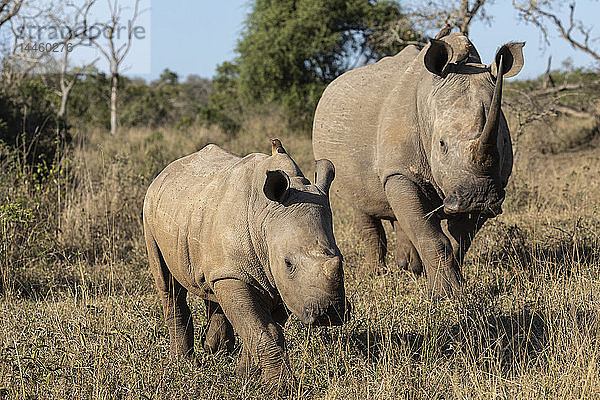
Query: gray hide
(416, 139)
(251, 236)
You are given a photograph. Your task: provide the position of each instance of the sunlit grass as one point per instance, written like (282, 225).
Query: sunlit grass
(79, 317)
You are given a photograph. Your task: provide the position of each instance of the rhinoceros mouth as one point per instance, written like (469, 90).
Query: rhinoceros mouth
(330, 314)
(483, 199)
(488, 211)
(455, 205)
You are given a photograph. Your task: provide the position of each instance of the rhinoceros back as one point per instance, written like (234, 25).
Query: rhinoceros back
(184, 205)
(176, 186)
(345, 129)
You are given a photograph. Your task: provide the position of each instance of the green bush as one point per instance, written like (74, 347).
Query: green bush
(28, 121)
(290, 50)
(224, 107)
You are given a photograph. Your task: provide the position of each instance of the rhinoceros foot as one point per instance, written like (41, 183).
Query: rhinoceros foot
(410, 264)
(277, 377)
(245, 367)
(444, 283)
(219, 335)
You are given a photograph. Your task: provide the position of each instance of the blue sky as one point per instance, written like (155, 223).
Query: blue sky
(506, 27)
(194, 36)
(198, 35)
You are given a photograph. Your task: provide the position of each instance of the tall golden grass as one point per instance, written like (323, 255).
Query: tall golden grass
(79, 317)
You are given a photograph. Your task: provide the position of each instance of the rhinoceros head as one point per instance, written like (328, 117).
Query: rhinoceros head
(304, 260)
(471, 152)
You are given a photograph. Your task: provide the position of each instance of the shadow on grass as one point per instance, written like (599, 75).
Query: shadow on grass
(508, 339)
(37, 283)
(556, 253)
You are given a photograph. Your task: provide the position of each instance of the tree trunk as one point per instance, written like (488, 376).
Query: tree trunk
(113, 103)
(465, 19)
(62, 114)
(548, 81)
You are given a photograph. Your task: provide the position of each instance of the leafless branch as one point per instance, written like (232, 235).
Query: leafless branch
(113, 54)
(571, 99)
(459, 14)
(8, 9)
(541, 13)
(18, 61)
(548, 80)
(467, 12)
(75, 22)
(570, 110)
(393, 33)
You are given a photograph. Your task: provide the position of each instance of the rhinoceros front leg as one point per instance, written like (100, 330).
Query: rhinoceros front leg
(263, 342)
(219, 332)
(405, 253)
(443, 274)
(461, 230)
(371, 231)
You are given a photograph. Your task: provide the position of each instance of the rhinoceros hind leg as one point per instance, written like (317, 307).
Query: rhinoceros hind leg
(219, 332)
(173, 296)
(405, 253)
(371, 231)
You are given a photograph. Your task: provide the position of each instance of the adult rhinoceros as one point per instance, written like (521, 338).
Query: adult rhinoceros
(418, 138)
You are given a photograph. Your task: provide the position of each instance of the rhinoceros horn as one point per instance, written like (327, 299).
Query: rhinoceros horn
(490, 129)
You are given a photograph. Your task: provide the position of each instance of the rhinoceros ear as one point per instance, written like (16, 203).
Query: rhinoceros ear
(276, 185)
(512, 56)
(438, 57)
(324, 174)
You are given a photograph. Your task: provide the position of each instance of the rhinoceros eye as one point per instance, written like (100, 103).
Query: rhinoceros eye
(443, 146)
(290, 267)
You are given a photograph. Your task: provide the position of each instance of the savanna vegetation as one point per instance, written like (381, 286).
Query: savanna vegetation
(80, 318)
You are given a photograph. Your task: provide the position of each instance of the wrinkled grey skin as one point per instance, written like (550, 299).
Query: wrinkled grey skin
(410, 143)
(251, 236)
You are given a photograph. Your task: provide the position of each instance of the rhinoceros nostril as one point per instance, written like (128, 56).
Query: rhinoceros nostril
(452, 204)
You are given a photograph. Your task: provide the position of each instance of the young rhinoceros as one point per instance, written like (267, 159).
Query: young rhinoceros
(251, 236)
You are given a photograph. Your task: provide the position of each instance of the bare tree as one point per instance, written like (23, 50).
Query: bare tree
(433, 15)
(70, 21)
(395, 33)
(115, 53)
(551, 98)
(8, 9)
(545, 13)
(20, 56)
(459, 14)
(75, 24)
(548, 80)
(468, 10)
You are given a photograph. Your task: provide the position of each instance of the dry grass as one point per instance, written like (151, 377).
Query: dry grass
(79, 317)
